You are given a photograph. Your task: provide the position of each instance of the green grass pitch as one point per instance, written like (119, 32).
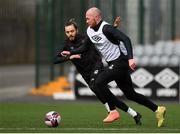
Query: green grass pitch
(83, 117)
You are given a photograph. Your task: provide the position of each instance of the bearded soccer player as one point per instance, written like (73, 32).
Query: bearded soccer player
(116, 48)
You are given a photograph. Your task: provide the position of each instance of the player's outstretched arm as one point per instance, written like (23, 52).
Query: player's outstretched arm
(59, 58)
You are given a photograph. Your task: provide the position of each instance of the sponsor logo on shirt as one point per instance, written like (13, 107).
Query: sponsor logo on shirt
(96, 38)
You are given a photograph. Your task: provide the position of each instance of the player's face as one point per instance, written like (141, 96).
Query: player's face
(71, 32)
(90, 20)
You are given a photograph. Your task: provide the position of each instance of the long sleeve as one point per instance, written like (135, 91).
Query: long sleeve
(58, 58)
(84, 46)
(116, 35)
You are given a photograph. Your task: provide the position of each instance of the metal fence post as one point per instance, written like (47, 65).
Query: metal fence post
(50, 37)
(82, 16)
(97, 3)
(141, 21)
(61, 12)
(173, 19)
(113, 9)
(37, 41)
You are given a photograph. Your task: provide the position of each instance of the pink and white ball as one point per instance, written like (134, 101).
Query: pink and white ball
(52, 119)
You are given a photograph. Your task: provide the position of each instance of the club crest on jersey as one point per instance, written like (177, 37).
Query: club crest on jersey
(96, 71)
(96, 38)
(111, 66)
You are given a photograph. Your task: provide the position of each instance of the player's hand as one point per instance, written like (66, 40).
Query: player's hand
(65, 53)
(117, 21)
(75, 56)
(132, 64)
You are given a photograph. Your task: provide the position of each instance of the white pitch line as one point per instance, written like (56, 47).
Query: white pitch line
(94, 129)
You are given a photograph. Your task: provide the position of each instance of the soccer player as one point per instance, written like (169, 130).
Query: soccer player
(116, 49)
(89, 65)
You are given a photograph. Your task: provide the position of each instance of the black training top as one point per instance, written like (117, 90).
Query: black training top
(89, 58)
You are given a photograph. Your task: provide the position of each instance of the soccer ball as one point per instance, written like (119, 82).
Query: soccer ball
(52, 119)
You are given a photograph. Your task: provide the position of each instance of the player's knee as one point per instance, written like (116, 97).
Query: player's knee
(94, 89)
(91, 86)
(130, 96)
(98, 83)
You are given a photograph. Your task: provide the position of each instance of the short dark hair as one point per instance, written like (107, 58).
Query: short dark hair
(72, 22)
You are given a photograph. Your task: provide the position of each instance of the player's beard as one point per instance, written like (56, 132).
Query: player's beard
(71, 38)
(93, 24)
